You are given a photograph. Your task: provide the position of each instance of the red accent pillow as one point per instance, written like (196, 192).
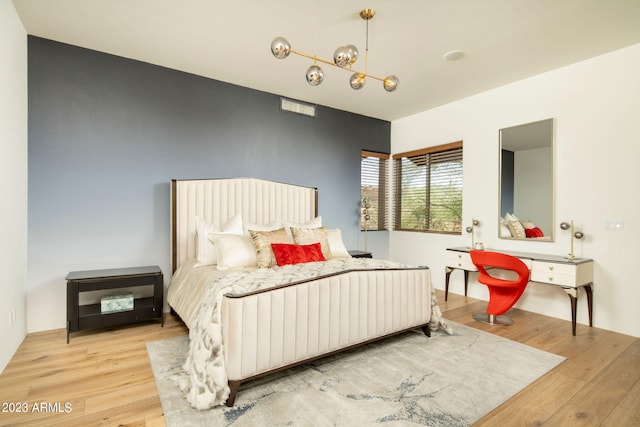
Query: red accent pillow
(533, 232)
(296, 254)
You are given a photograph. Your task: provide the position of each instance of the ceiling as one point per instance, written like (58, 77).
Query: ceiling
(503, 41)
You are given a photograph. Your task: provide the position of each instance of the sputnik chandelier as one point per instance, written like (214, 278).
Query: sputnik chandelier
(344, 57)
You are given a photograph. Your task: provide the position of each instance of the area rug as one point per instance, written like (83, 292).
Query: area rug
(408, 379)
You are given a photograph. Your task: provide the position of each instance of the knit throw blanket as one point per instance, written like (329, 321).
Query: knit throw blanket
(205, 380)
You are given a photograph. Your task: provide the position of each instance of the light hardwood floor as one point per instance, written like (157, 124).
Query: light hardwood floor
(105, 378)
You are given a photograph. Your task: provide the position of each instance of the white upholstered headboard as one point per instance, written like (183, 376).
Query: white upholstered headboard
(217, 200)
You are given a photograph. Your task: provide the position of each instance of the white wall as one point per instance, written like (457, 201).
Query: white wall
(596, 104)
(13, 176)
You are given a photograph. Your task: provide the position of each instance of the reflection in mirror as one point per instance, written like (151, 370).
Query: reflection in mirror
(526, 182)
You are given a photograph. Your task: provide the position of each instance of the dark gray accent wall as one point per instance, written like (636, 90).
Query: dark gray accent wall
(107, 134)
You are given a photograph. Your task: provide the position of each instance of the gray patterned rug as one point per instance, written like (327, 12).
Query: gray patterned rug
(409, 379)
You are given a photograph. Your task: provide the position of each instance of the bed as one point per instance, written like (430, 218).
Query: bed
(247, 321)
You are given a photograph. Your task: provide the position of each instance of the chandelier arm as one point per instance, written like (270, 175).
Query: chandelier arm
(324, 61)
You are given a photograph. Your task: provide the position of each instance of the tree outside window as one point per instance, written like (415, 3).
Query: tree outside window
(428, 189)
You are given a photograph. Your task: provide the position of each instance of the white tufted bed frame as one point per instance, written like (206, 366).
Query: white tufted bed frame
(273, 329)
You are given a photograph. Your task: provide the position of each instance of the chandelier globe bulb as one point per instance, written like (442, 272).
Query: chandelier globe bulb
(315, 75)
(342, 56)
(391, 83)
(280, 47)
(357, 81)
(353, 52)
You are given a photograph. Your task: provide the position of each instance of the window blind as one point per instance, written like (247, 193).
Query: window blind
(374, 170)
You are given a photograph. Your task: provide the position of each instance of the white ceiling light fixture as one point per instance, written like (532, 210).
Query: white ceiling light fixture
(344, 57)
(453, 55)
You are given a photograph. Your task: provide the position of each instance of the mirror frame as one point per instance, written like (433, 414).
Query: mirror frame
(548, 237)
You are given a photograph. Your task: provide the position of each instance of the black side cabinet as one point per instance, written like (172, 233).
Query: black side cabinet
(360, 254)
(80, 317)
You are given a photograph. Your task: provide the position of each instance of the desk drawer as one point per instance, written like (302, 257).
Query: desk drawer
(553, 273)
(461, 260)
(562, 274)
(553, 278)
(553, 267)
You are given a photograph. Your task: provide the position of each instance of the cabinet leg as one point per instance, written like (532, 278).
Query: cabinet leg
(67, 332)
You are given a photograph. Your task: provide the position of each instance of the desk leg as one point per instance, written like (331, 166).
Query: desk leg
(466, 281)
(447, 276)
(589, 291)
(574, 306)
(573, 296)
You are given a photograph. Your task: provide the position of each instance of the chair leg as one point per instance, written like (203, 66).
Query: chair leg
(492, 319)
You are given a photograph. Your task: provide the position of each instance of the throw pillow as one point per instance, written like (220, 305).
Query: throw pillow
(289, 254)
(262, 241)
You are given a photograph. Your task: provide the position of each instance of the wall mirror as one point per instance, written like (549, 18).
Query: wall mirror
(526, 184)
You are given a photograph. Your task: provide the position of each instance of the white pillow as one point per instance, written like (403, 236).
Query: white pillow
(234, 251)
(510, 217)
(504, 231)
(314, 223)
(205, 249)
(338, 250)
(233, 225)
(273, 225)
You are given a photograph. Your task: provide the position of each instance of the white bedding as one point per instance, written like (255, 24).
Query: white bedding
(188, 285)
(205, 381)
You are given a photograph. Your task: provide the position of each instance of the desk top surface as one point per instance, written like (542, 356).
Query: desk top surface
(529, 255)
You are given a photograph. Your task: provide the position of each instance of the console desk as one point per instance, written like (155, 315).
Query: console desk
(548, 269)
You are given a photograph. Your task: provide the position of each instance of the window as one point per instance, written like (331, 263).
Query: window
(373, 190)
(428, 189)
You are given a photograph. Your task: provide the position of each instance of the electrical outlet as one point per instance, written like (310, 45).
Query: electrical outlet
(614, 224)
(13, 316)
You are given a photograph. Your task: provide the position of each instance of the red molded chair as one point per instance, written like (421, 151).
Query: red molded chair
(503, 293)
